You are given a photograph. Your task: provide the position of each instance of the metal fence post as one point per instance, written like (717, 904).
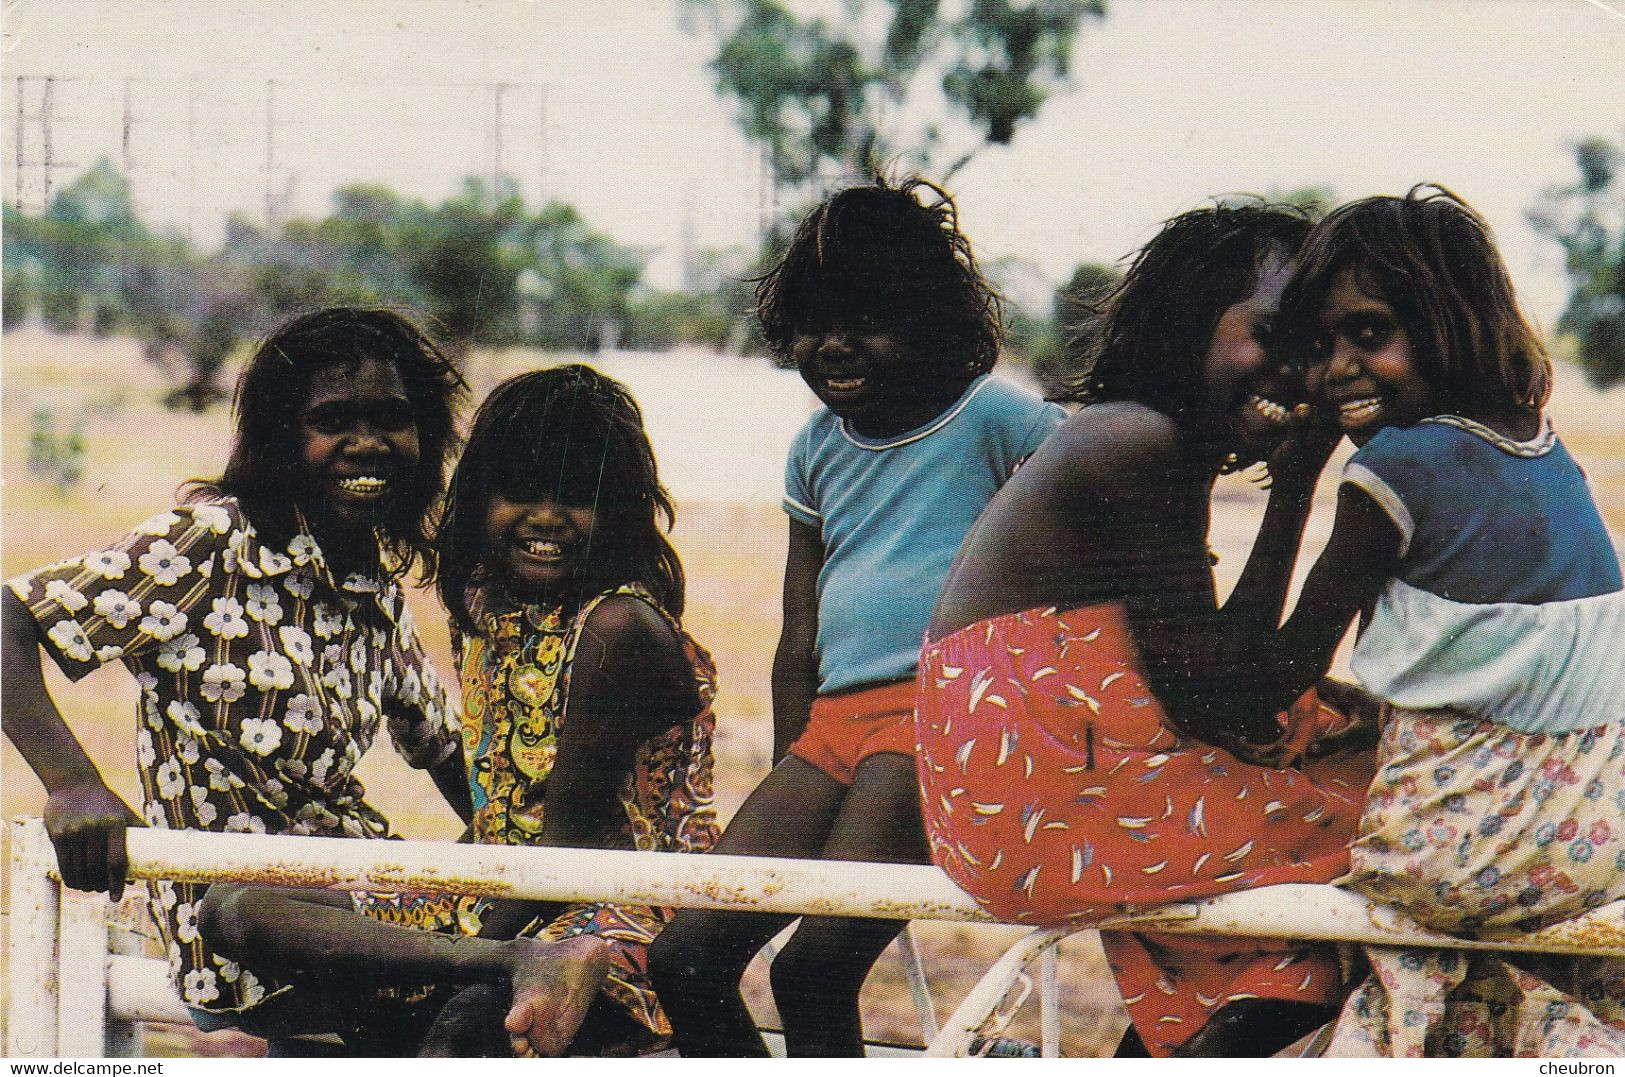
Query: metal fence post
(34, 902)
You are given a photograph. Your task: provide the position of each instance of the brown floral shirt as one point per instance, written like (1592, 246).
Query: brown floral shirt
(263, 682)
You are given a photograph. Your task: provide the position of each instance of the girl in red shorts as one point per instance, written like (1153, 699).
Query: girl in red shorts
(1090, 742)
(879, 305)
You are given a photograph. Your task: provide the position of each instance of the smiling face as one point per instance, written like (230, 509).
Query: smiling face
(869, 373)
(1250, 392)
(538, 546)
(358, 442)
(1365, 368)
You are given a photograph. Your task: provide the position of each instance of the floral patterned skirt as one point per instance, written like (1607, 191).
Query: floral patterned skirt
(1475, 829)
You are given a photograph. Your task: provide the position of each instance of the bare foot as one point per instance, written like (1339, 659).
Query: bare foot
(553, 985)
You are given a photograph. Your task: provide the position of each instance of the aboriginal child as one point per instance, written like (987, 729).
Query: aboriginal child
(263, 620)
(1091, 740)
(880, 306)
(586, 708)
(1493, 622)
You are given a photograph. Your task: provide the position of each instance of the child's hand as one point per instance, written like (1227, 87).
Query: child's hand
(86, 823)
(1302, 455)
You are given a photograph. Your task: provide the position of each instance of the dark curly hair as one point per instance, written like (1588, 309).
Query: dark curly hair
(892, 254)
(1152, 331)
(1432, 258)
(265, 463)
(574, 434)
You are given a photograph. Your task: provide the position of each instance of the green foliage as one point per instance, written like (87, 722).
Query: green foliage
(1587, 219)
(815, 92)
(57, 456)
(1061, 352)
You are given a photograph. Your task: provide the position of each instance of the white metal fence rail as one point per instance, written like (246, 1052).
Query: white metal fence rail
(66, 996)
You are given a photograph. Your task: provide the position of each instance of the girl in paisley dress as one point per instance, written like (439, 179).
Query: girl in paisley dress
(587, 709)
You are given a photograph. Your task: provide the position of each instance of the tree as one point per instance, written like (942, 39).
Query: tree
(817, 93)
(1587, 219)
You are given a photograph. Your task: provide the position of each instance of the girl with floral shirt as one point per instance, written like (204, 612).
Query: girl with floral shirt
(265, 625)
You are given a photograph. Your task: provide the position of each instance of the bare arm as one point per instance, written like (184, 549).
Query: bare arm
(84, 818)
(630, 680)
(795, 663)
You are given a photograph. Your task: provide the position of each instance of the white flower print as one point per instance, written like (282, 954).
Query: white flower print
(253, 991)
(199, 987)
(328, 622)
(65, 596)
(304, 714)
(303, 549)
(170, 782)
(320, 769)
(155, 816)
(260, 736)
(245, 823)
(225, 619)
(220, 779)
(117, 608)
(272, 562)
(215, 518)
(268, 670)
(70, 639)
(165, 564)
(205, 568)
(296, 644)
(362, 585)
(189, 751)
(275, 794)
(358, 656)
(411, 692)
(332, 654)
(223, 683)
(108, 564)
(301, 584)
(229, 970)
(109, 653)
(338, 679)
(187, 718)
(159, 524)
(263, 603)
(186, 923)
(163, 621)
(182, 652)
(368, 714)
(205, 809)
(375, 688)
(146, 753)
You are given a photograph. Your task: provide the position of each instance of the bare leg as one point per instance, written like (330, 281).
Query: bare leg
(336, 953)
(820, 972)
(698, 959)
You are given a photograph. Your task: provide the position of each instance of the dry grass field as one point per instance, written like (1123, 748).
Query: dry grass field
(138, 453)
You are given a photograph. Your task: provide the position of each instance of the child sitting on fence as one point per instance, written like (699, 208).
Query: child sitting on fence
(264, 622)
(586, 707)
(1492, 634)
(879, 304)
(1090, 743)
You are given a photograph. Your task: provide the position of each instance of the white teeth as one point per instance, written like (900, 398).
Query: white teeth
(542, 548)
(1358, 412)
(844, 385)
(364, 484)
(1269, 409)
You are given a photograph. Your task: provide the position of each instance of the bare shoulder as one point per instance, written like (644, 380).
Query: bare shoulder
(1111, 445)
(627, 628)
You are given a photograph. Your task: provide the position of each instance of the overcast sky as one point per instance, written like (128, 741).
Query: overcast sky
(608, 105)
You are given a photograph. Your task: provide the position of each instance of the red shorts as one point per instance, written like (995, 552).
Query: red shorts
(1053, 792)
(847, 728)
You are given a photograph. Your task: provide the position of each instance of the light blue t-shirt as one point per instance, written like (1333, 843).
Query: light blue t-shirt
(893, 513)
(1507, 603)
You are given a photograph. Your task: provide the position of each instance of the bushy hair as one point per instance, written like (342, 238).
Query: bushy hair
(266, 460)
(1432, 258)
(891, 254)
(1152, 331)
(574, 434)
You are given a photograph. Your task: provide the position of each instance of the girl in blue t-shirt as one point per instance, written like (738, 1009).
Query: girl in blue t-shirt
(1493, 609)
(879, 304)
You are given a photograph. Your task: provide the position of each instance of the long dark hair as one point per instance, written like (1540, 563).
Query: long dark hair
(1154, 328)
(264, 467)
(1432, 258)
(572, 433)
(891, 253)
